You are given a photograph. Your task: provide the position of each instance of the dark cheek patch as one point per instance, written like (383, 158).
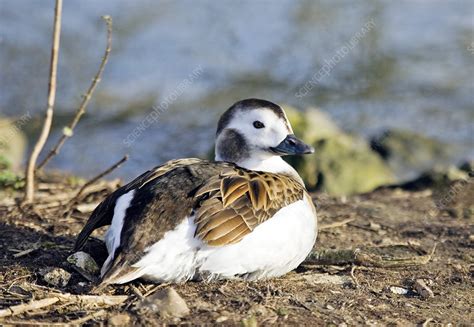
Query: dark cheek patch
(233, 147)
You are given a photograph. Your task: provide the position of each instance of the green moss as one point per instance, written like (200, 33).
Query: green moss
(9, 179)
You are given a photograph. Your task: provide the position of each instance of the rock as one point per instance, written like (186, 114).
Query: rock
(468, 167)
(83, 261)
(56, 276)
(312, 124)
(12, 143)
(437, 177)
(221, 319)
(167, 303)
(409, 153)
(342, 164)
(398, 290)
(121, 319)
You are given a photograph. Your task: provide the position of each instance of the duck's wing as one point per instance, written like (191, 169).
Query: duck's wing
(233, 203)
(160, 203)
(104, 212)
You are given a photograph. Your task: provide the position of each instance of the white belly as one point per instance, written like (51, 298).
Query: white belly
(274, 248)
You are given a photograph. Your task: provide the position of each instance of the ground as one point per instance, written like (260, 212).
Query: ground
(33, 238)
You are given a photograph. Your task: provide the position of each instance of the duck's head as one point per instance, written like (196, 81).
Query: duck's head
(253, 131)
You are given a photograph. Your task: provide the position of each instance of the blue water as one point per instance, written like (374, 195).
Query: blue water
(412, 68)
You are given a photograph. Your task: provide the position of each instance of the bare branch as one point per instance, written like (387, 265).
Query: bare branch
(68, 131)
(96, 178)
(30, 169)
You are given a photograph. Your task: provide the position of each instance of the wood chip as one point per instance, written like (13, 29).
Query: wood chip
(423, 289)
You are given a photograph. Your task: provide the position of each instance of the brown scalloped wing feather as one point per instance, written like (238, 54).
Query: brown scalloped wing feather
(236, 201)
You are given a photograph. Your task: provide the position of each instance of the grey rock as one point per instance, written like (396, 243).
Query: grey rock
(167, 302)
(84, 261)
(342, 164)
(409, 153)
(56, 276)
(121, 319)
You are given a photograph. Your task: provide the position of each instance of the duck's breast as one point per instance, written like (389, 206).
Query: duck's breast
(273, 248)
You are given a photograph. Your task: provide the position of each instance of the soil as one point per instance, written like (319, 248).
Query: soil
(41, 236)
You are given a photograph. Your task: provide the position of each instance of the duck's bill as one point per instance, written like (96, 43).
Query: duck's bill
(291, 145)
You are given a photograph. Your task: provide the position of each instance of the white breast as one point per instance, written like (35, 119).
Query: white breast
(274, 248)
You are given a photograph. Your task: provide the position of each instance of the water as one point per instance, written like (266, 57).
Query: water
(412, 68)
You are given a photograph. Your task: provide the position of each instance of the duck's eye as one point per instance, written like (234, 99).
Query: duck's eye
(258, 124)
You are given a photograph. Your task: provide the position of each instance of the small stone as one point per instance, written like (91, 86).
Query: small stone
(221, 319)
(329, 307)
(167, 303)
(56, 276)
(423, 289)
(374, 226)
(84, 261)
(121, 319)
(398, 290)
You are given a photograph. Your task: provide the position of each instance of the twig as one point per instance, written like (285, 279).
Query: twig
(68, 131)
(34, 305)
(28, 251)
(82, 320)
(368, 257)
(96, 178)
(336, 224)
(96, 300)
(354, 278)
(30, 168)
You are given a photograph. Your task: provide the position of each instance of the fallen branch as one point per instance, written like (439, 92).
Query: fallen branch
(96, 300)
(30, 168)
(69, 130)
(336, 224)
(370, 256)
(34, 305)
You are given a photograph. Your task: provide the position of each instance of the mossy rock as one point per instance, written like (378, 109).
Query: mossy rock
(409, 153)
(311, 124)
(342, 164)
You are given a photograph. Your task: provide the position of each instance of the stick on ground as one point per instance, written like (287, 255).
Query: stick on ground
(68, 131)
(30, 168)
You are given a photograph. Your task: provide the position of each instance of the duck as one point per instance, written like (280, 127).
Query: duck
(245, 215)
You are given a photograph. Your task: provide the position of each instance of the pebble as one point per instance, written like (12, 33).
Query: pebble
(166, 302)
(398, 290)
(84, 261)
(222, 319)
(121, 319)
(56, 276)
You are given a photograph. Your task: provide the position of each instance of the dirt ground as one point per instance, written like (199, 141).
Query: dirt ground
(35, 238)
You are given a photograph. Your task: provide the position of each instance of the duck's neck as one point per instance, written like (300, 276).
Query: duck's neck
(272, 164)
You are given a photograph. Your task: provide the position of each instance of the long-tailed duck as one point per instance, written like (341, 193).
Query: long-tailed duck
(247, 214)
